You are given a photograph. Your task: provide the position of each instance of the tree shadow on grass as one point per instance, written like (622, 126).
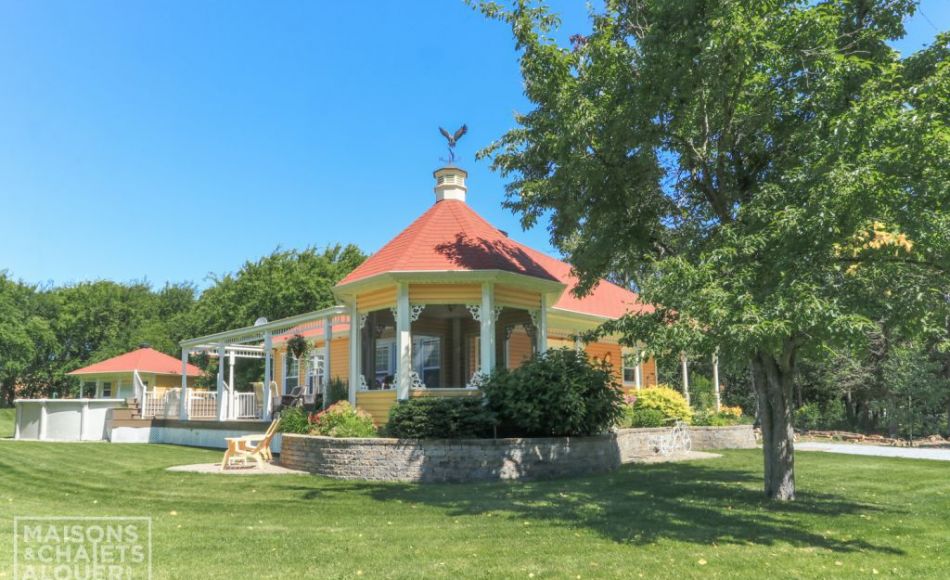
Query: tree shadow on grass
(685, 502)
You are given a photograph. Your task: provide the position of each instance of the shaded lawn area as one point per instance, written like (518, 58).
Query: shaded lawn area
(701, 519)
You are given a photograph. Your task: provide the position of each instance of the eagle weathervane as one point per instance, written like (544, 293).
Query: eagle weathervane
(453, 139)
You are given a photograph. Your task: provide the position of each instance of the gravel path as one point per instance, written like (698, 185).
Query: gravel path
(876, 450)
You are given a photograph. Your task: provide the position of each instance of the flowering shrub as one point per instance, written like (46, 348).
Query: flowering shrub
(667, 401)
(732, 411)
(342, 420)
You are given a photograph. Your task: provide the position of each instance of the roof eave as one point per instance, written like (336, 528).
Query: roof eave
(551, 288)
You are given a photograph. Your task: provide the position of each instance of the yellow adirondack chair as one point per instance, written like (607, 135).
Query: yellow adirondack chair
(256, 447)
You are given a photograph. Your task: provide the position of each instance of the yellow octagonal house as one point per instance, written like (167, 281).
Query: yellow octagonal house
(431, 313)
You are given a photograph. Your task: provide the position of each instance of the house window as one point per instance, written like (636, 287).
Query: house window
(427, 360)
(291, 373)
(315, 374)
(631, 370)
(106, 390)
(385, 364)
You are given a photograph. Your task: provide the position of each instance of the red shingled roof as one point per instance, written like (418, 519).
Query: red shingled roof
(450, 236)
(143, 360)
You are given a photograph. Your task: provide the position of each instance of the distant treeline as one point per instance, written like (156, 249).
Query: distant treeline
(46, 332)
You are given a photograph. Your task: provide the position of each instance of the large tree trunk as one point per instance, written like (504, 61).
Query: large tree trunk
(774, 384)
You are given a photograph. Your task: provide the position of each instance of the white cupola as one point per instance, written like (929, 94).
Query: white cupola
(450, 183)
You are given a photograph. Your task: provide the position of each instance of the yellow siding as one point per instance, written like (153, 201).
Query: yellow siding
(377, 404)
(376, 299)
(519, 348)
(606, 352)
(558, 342)
(445, 293)
(648, 373)
(340, 359)
(517, 298)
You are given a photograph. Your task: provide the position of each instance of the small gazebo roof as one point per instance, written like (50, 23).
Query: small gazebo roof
(143, 360)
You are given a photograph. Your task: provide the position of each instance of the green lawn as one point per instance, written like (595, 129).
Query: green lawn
(702, 519)
(6, 422)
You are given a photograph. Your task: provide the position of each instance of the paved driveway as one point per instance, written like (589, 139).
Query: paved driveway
(876, 450)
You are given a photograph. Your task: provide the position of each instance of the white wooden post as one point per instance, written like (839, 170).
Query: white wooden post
(684, 364)
(268, 410)
(403, 343)
(715, 371)
(543, 324)
(327, 339)
(355, 370)
(638, 370)
(16, 420)
(222, 406)
(232, 392)
(487, 333)
(183, 410)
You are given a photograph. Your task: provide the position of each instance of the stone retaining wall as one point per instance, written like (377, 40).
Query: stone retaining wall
(442, 460)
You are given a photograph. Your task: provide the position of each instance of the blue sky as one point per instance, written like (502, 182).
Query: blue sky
(168, 140)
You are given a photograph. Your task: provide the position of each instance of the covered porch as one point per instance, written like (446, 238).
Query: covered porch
(237, 398)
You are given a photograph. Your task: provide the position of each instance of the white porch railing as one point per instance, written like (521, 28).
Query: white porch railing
(245, 406)
(160, 406)
(202, 405)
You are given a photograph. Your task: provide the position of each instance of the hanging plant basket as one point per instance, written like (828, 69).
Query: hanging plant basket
(298, 346)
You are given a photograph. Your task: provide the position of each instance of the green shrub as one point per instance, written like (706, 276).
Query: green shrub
(830, 415)
(808, 416)
(722, 419)
(294, 420)
(441, 418)
(342, 420)
(337, 391)
(665, 400)
(644, 418)
(556, 393)
(701, 392)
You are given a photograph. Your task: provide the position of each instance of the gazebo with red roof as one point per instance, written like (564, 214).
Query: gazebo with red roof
(116, 377)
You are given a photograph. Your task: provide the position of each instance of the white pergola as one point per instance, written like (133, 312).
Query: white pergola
(253, 342)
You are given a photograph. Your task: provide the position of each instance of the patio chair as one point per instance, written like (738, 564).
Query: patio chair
(256, 447)
(294, 399)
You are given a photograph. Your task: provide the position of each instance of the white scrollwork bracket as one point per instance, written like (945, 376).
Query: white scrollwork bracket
(477, 381)
(363, 318)
(363, 385)
(415, 382)
(475, 310)
(415, 311)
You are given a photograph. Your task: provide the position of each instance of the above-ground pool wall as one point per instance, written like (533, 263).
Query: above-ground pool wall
(63, 419)
(211, 434)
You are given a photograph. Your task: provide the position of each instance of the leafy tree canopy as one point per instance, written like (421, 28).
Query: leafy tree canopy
(755, 168)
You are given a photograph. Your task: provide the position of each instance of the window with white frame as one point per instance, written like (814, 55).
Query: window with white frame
(385, 363)
(106, 390)
(315, 374)
(427, 360)
(291, 373)
(631, 370)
